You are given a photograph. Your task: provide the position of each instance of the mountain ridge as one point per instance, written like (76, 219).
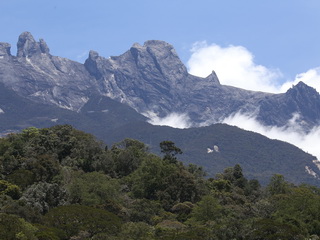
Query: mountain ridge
(148, 78)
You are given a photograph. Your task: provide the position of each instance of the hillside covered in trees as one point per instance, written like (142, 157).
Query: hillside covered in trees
(60, 183)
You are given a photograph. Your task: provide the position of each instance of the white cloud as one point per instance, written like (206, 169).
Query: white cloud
(235, 66)
(176, 120)
(290, 133)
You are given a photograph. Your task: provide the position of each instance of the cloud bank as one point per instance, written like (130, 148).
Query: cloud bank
(176, 120)
(235, 66)
(291, 133)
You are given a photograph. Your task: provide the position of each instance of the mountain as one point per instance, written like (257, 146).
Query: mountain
(99, 112)
(148, 78)
(112, 98)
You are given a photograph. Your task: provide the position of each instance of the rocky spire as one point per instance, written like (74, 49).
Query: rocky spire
(302, 89)
(43, 46)
(4, 49)
(91, 64)
(28, 47)
(213, 78)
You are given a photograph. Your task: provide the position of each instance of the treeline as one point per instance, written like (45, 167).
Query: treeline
(61, 183)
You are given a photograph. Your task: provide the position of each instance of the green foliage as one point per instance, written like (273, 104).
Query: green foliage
(170, 151)
(127, 156)
(143, 210)
(43, 196)
(268, 229)
(49, 233)
(278, 185)
(156, 179)
(9, 189)
(208, 209)
(11, 153)
(299, 207)
(43, 167)
(13, 228)
(182, 210)
(22, 178)
(93, 189)
(30, 132)
(137, 231)
(61, 183)
(73, 219)
(148, 179)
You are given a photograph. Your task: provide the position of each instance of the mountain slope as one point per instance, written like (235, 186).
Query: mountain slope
(219, 146)
(98, 113)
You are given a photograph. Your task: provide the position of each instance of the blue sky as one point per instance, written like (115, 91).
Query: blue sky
(282, 35)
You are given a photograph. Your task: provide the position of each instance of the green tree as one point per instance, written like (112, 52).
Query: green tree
(43, 196)
(149, 178)
(73, 219)
(13, 228)
(9, 189)
(127, 156)
(208, 209)
(95, 189)
(278, 185)
(269, 229)
(137, 231)
(300, 207)
(170, 150)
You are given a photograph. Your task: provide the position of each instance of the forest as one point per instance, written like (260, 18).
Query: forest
(60, 183)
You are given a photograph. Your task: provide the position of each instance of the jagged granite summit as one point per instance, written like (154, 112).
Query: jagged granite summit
(151, 79)
(36, 74)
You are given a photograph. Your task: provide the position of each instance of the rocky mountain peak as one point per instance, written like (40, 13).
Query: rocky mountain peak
(43, 46)
(91, 64)
(27, 46)
(157, 43)
(4, 49)
(93, 55)
(163, 56)
(302, 89)
(213, 78)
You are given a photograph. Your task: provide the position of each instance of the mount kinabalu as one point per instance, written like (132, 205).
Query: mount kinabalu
(148, 78)
(38, 89)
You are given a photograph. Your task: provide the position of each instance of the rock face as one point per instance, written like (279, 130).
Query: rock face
(27, 46)
(5, 50)
(151, 79)
(301, 103)
(36, 74)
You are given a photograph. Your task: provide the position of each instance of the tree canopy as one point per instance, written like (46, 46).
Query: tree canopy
(61, 183)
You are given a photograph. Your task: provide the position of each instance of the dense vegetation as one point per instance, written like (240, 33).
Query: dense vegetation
(61, 183)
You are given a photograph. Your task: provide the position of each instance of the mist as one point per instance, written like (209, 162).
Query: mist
(176, 120)
(291, 132)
